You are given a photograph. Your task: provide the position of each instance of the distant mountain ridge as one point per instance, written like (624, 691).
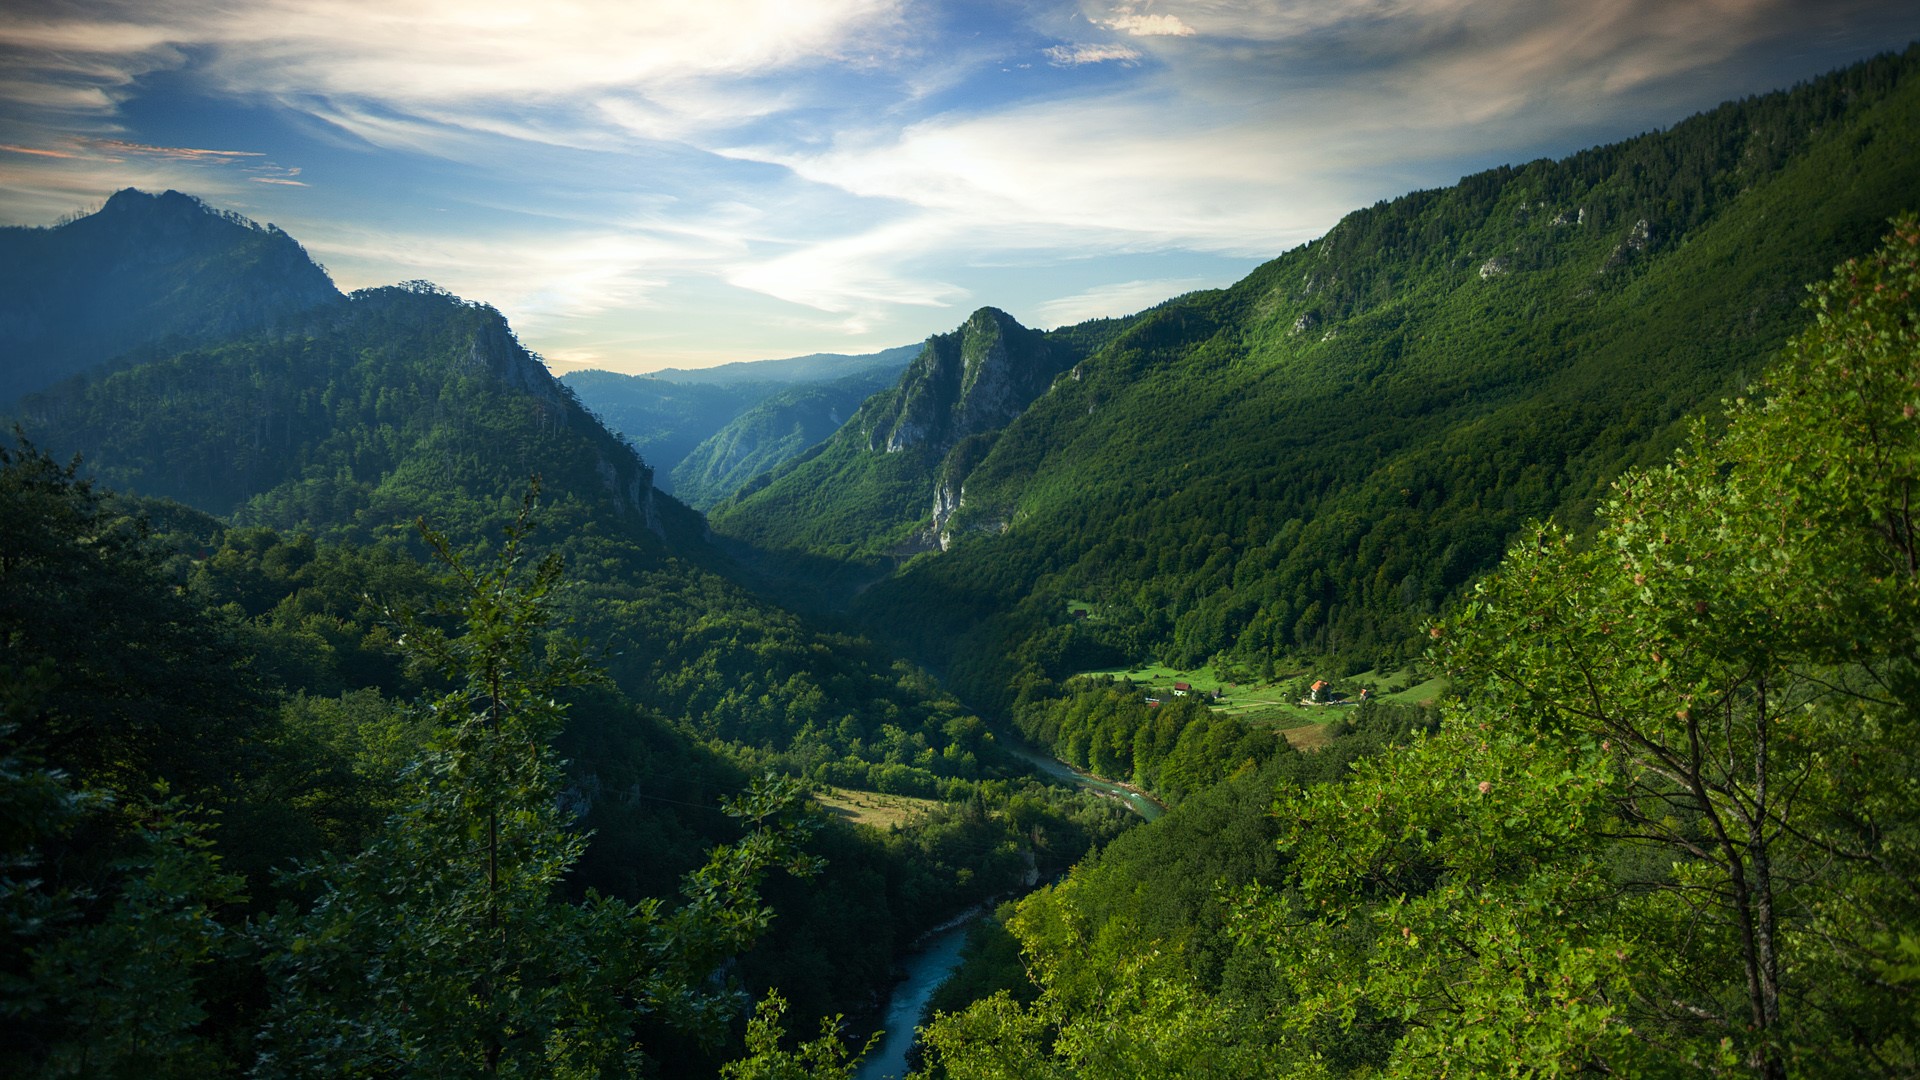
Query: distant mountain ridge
(811, 368)
(668, 415)
(663, 420)
(143, 270)
(773, 431)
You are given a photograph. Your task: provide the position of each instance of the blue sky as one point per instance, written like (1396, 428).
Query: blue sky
(645, 184)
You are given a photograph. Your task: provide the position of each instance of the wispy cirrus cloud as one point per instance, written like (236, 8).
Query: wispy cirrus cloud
(1088, 173)
(410, 53)
(178, 153)
(1074, 55)
(1108, 301)
(844, 274)
(39, 152)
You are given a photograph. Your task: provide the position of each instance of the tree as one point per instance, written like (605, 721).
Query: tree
(127, 666)
(445, 949)
(103, 940)
(824, 1058)
(1674, 827)
(123, 711)
(1106, 1010)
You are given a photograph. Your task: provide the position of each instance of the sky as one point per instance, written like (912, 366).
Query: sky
(640, 184)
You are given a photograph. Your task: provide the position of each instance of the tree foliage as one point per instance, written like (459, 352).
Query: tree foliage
(1672, 829)
(445, 948)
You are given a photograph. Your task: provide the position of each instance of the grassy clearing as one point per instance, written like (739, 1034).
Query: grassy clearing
(1304, 727)
(1309, 736)
(879, 810)
(1406, 686)
(1237, 698)
(1161, 677)
(1276, 704)
(1288, 715)
(1423, 693)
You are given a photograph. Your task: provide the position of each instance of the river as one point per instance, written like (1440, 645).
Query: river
(929, 965)
(1139, 803)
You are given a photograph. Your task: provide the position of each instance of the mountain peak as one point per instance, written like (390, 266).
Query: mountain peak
(132, 213)
(971, 379)
(142, 269)
(133, 201)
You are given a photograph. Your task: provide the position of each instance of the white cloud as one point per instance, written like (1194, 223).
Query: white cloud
(850, 274)
(179, 153)
(416, 50)
(1123, 173)
(61, 38)
(457, 59)
(539, 280)
(1108, 301)
(1149, 25)
(1075, 55)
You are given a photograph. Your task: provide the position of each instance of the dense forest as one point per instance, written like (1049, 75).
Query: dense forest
(366, 709)
(1669, 830)
(267, 493)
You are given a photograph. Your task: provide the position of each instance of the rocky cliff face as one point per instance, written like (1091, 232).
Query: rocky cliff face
(952, 402)
(973, 380)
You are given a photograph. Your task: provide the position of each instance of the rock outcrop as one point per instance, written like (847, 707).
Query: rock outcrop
(975, 379)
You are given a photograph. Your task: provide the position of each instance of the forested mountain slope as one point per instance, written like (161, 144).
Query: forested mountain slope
(716, 415)
(307, 451)
(1668, 829)
(1316, 459)
(774, 431)
(144, 269)
(352, 421)
(406, 402)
